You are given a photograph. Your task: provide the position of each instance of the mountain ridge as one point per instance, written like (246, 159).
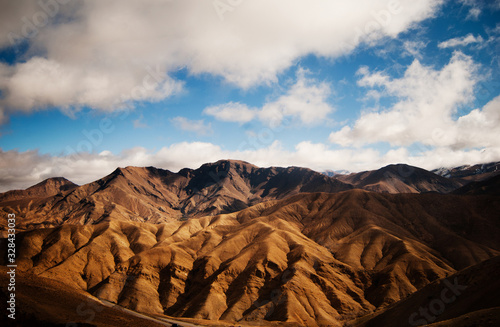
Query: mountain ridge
(158, 195)
(401, 178)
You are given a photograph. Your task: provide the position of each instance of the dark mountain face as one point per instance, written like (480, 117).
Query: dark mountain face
(490, 186)
(466, 298)
(400, 179)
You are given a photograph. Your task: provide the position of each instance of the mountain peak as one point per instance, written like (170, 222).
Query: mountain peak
(400, 167)
(53, 184)
(48, 187)
(134, 170)
(401, 178)
(230, 163)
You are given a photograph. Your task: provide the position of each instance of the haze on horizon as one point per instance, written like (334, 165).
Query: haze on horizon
(86, 87)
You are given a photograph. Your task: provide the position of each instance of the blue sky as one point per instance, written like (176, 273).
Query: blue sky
(86, 87)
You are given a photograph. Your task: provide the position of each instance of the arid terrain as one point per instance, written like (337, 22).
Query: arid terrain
(230, 243)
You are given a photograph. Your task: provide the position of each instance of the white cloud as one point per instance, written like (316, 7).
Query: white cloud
(41, 83)
(426, 100)
(460, 41)
(476, 7)
(414, 48)
(479, 128)
(197, 126)
(306, 100)
(232, 112)
(23, 169)
(115, 44)
(473, 14)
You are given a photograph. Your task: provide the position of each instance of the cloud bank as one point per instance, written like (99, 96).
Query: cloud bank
(19, 170)
(108, 54)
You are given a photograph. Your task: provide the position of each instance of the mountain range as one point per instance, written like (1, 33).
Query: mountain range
(232, 243)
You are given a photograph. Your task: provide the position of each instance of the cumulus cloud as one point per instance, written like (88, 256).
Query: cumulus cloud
(197, 126)
(479, 128)
(19, 170)
(125, 51)
(40, 83)
(460, 41)
(306, 100)
(425, 101)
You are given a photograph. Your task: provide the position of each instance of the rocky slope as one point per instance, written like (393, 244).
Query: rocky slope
(57, 305)
(313, 259)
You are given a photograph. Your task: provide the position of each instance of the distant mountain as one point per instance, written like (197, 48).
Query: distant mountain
(471, 173)
(48, 187)
(490, 186)
(400, 178)
(332, 173)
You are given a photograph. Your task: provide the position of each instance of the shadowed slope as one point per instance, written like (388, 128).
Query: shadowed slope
(467, 298)
(400, 179)
(490, 186)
